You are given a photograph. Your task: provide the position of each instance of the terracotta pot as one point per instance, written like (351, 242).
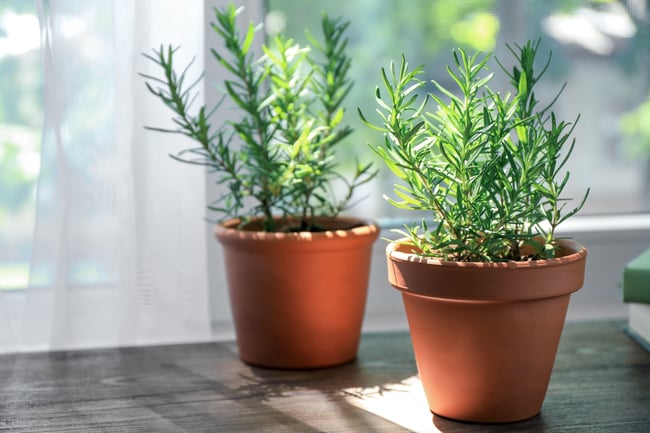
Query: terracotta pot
(485, 335)
(298, 299)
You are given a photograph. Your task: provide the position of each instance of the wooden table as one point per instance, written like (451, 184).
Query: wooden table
(601, 383)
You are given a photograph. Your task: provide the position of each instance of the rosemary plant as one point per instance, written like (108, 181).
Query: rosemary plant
(277, 160)
(487, 166)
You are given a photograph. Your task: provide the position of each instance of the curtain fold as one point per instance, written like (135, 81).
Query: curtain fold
(119, 249)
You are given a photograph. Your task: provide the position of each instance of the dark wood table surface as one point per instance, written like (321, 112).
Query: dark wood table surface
(601, 383)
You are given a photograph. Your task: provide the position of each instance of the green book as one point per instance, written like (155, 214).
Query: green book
(636, 280)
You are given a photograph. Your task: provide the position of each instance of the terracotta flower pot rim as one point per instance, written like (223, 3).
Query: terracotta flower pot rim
(341, 227)
(574, 252)
(487, 282)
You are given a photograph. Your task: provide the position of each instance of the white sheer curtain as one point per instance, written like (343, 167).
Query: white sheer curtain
(119, 249)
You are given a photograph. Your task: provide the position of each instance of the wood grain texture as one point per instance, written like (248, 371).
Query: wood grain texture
(601, 383)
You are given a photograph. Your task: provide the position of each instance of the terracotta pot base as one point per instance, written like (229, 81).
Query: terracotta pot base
(299, 367)
(514, 421)
(497, 373)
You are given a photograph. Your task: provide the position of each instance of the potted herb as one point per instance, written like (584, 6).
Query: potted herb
(486, 285)
(297, 271)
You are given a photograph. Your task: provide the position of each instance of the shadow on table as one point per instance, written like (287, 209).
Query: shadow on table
(382, 360)
(378, 392)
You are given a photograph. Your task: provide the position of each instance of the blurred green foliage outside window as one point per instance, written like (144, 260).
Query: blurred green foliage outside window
(600, 49)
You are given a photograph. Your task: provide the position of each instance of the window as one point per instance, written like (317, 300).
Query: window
(602, 49)
(21, 116)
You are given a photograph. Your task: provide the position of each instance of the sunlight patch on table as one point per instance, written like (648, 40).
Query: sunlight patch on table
(402, 403)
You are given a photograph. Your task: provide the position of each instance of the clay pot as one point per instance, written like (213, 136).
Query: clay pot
(485, 335)
(298, 299)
